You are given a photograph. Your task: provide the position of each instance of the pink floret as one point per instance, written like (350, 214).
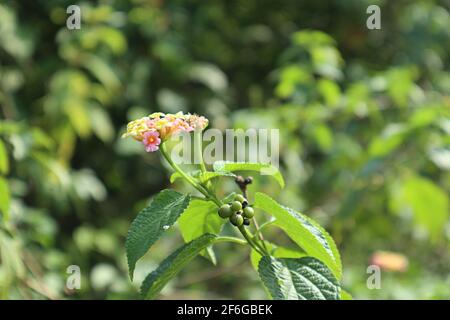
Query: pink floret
(151, 141)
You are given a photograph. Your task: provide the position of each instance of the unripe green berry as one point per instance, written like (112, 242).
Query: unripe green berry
(236, 206)
(236, 219)
(225, 211)
(239, 197)
(248, 212)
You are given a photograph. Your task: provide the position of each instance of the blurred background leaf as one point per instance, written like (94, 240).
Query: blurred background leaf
(364, 118)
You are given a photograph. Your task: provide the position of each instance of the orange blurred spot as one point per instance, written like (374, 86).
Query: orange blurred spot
(390, 261)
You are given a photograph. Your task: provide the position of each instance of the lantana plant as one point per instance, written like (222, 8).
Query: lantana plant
(311, 271)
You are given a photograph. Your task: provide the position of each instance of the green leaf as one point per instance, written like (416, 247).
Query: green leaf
(4, 163)
(298, 279)
(312, 38)
(206, 176)
(389, 140)
(345, 295)
(103, 71)
(209, 75)
(304, 231)
(11, 254)
(5, 198)
(428, 203)
(176, 175)
(152, 222)
(202, 177)
(323, 136)
(78, 114)
(199, 218)
(291, 76)
(263, 168)
(277, 252)
(330, 91)
(101, 123)
(173, 264)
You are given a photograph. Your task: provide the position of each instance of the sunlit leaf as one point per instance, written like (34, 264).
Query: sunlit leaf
(4, 161)
(424, 200)
(102, 71)
(5, 197)
(277, 252)
(101, 123)
(199, 218)
(152, 222)
(298, 279)
(304, 231)
(262, 168)
(173, 264)
(330, 91)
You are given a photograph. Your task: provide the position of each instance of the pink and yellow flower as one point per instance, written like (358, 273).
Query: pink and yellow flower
(151, 141)
(158, 127)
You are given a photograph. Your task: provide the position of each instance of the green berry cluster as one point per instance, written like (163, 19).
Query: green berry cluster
(238, 211)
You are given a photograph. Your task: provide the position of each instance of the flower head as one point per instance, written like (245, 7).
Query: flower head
(136, 129)
(158, 127)
(196, 121)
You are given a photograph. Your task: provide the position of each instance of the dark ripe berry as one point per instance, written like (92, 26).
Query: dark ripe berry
(248, 180)
(225, 211)
(248, 212)
(240, 198)
(246, 222)
(236, 206)
(244, 204)
(239, 179)
(237, 219)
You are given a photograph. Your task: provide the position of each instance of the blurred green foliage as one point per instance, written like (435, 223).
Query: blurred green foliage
(364, 118)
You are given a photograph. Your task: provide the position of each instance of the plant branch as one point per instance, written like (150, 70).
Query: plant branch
(230, 239)
(249, 239)
(243, 183)
(209, 195)
(198, 149)
(181, 172)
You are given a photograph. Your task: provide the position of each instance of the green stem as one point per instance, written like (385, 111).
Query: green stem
(250, 241)
(181, 172)
(262, 248)
(265, 224)
(230, 239)
(259, 235)
(198, 149)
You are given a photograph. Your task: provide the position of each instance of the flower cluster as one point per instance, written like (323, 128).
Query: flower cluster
(158, 127)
